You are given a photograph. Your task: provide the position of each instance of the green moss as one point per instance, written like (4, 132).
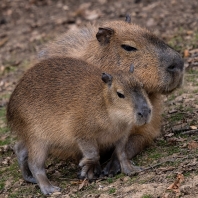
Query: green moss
(2, 113)
(171, 97)
(177, 117)
(177, 43)
(112, 190)
(7, 141)
(147, 196)
(195, 91)
(110, 180)
(121, 175)
(2, 184)
(154, 154)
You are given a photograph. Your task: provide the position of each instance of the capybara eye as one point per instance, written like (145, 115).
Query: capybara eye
(120, 95)
(128, 48)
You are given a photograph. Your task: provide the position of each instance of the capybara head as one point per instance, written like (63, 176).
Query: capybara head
(126, 98)
(159, 67)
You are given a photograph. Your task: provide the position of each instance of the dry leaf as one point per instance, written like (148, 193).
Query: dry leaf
(175, 140)
(84, 183)
(172, 111)
(55, 193)
(186, 53)
(192, 145)
(193, 127)
(176, 184)
(164, 169)
(84, 11)
(165, 195)
(3, 41)
(91, 15)
(169, 135)
(82, 8)
(189, 32)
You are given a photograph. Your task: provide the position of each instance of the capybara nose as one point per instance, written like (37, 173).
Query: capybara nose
(177, 64)
(144, 112)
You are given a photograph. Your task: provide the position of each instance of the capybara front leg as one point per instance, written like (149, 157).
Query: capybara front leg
(90, 162)
(125, 163)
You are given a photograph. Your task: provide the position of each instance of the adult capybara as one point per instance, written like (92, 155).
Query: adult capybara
(115, 45)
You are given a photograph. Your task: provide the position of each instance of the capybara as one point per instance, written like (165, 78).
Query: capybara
(116, 45)
(68, 104)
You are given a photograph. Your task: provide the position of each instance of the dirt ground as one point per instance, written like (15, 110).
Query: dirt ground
(171, 162)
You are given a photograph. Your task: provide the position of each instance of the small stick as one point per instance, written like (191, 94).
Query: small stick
(191, 132)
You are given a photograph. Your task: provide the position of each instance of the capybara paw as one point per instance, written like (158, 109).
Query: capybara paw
(90, 171)
(47, 190)
(112, 168)
(137, 168)
(131, 170)
(30, 179)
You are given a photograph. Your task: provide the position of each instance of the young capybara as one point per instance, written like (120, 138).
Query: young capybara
(115, 45)
(68, 104)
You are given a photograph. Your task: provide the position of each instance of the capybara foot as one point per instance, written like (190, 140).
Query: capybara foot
(49, 189)
(90, 171)
(112, 168)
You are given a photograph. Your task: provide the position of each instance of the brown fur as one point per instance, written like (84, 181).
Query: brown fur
(157, 66)
(63, 103)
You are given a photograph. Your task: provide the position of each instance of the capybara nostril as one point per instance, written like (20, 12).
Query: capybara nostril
(144, 113)
(177, 65)
(171, 68)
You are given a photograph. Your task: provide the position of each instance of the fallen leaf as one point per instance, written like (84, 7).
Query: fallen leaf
(192, 145)
(164, 169)
(172, 111)
(186, 53)
(184, 145)
(169, 135)
(84, 11)
(3, 41)
(6, 161)
(189, 32)
(55, 194)
(175, 186)
(193, 127)
(174, 140)
(91, 15)
(165, 195)
(84, 183)
(82, 8)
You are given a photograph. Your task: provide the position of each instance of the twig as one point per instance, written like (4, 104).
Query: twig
(191, 132)
(181, 130)
(155, 165)
(158, 164)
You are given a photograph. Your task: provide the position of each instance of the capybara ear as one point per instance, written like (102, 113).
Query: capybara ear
(107, 78)
(128, 18)
(104, 35)
(131, 70)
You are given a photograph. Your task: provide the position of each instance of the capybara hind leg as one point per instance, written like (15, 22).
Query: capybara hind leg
(36, 161)
(112, 168)
(22, 157)
(136, 144)
(90, 161)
